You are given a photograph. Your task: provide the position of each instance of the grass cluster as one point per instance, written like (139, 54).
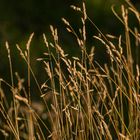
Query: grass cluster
(80, 99)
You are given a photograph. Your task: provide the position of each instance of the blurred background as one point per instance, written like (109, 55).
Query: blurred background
(18, 19)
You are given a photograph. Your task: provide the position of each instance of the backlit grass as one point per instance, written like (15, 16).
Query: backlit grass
(80, 99)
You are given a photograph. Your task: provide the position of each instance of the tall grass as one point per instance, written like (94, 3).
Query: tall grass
(80, 98)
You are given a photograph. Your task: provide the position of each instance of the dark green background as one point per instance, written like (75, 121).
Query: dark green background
(18, 19)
